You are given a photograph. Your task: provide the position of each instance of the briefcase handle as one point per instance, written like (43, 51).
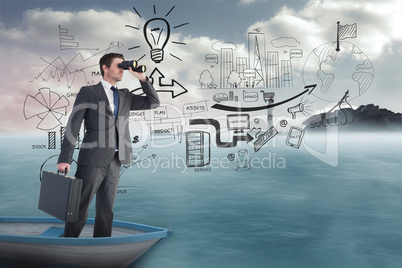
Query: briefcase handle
(65, 172)
(41, 167)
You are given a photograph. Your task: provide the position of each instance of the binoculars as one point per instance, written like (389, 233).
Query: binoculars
(133, 64)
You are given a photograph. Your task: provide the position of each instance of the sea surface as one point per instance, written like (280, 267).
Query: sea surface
(338, 207)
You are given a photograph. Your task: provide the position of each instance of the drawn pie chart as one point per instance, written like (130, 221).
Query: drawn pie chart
(48, 106)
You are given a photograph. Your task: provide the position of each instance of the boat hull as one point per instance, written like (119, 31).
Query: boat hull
(35, 244)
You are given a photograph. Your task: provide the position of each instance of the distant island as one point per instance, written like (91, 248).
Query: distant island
(369, 118)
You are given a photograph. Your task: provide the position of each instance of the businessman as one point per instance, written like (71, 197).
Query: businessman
(106, 145)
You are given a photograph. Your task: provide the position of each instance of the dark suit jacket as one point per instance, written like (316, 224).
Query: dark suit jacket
(99, 142)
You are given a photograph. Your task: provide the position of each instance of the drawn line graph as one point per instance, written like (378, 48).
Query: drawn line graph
(59, 68)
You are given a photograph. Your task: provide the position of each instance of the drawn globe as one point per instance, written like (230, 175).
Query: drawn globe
(336, 72)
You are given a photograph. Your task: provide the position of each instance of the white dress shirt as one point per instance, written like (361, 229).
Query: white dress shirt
(109, 93)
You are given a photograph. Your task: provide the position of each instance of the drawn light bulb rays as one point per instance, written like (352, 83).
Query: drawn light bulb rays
(48, 106)
(157, 35)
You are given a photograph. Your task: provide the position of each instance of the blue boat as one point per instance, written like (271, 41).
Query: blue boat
(38, 240)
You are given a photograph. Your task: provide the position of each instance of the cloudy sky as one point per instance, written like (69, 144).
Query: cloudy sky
(37, 35)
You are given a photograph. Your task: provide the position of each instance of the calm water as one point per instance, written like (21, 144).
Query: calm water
(293, 210)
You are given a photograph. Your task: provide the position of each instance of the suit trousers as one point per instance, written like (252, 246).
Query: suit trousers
(102, 181)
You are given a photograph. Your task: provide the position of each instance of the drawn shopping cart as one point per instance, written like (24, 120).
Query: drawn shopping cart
(268, 96)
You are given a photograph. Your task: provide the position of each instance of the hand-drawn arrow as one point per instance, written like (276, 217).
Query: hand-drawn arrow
(143, 148)
(217, 126)
(124, 167)
(250, 109)
(177, 88)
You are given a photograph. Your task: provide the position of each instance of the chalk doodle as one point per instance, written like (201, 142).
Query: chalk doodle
(285, 42)
(237, 80)
(238, 122)
(195, 107)
(206, 79)
(249, 109)
(295, 137)
(216, 124)
(172, 86)
(345, 31)
(51, 140)
(162, 131)
(157, 32)
(338, 61)
(242, 160)
(302, 107)
(250, 96)
(342, 113)
(198, 150)
(283, 123)
(125, 167)
(296, 109)
(48, 106)
(264, 138)
(68, 71)
(67, 41)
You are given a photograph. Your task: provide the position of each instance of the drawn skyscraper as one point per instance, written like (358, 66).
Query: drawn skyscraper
(273, 70)
(256, 45)
(287, 79)
(241, 65)
(226, 66)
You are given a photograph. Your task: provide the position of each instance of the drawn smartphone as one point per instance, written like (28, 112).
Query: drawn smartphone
(295, 137)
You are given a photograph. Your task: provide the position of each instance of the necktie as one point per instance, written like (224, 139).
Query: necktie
(116, 108)
(115, 100)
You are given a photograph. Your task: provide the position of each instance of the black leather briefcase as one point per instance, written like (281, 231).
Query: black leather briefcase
(60, 195)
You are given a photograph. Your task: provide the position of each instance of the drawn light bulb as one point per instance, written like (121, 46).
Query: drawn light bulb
(157, 33)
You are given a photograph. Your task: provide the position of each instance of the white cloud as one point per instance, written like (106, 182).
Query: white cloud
(36, 41)
(33, 46)
(378, 23)
(247, 2)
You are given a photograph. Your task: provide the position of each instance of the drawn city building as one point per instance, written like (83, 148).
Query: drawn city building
(241, 65)
(273, 70)
(287, 80)
(226, 66)
(256, 47)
